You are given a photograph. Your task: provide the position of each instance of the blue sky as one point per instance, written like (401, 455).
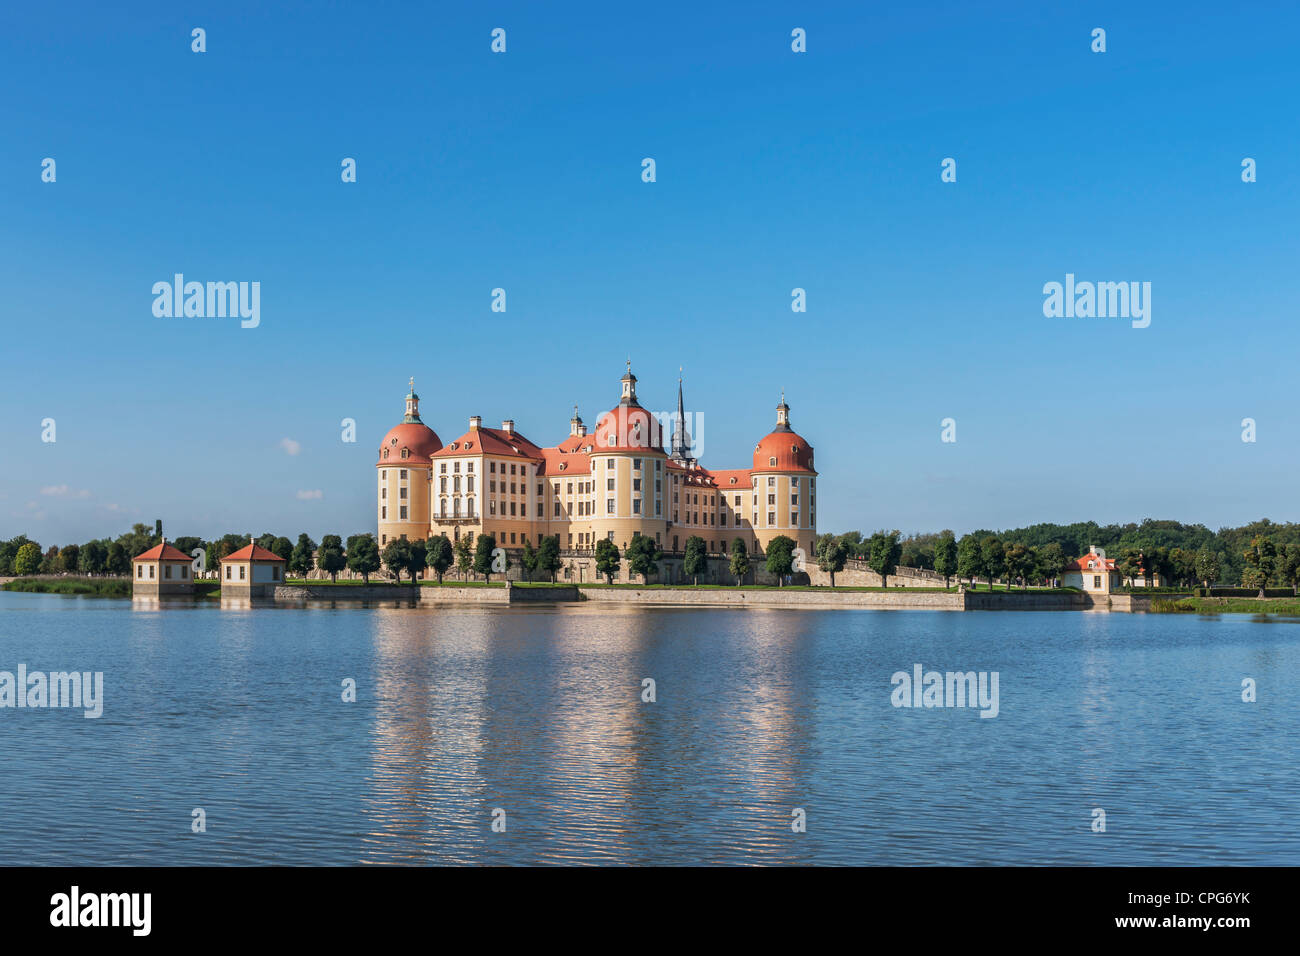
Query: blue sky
(775, 170)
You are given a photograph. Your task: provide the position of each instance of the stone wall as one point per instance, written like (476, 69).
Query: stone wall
(792, 598)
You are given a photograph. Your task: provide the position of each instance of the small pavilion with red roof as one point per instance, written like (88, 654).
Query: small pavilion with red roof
(161, 570)
(252, 571)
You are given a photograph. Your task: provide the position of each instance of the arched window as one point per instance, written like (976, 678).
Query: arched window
(772, 461)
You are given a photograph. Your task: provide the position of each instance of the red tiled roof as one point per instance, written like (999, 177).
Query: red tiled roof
(252, 552)
(420, 439)
(163, 552)
(557, 461)
(631, 427)
(791, 452)
(490, 441)
(723, 479)
(1081, 564)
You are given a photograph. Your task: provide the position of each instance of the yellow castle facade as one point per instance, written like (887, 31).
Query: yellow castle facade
(612, 482)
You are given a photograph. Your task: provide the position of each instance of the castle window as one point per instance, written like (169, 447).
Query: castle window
(406, 453)
(403, 512)
(772, 461)
(609, 507)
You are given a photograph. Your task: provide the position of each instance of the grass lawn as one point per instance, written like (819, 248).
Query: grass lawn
(101, 587)
(1233, 605)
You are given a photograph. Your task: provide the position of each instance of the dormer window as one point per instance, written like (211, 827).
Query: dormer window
(469, 445)
(772, 461)
(794, 449)
(452, 446)
(733, 479)
(406, 453)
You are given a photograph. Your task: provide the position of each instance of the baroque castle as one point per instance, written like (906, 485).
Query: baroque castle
(613, 482)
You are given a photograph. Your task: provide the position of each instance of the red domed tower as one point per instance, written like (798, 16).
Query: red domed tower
(404, 469)
(784, 485)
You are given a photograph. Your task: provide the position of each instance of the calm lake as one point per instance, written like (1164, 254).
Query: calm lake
(463, 711)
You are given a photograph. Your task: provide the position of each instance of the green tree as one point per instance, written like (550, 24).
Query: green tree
(363, 556)
(419, 558)
(739, 563)
(464, 557)
(608, 560)
(1156, 565)
(548, 555)
(397, 556)
(529, 559)
(1019, 560)
(945, 556)
(92, 558)
(483, 555)
(117, 561)
(695, 560)
(883, 552)
(1289, 566)
(330, 558)
(300, 561)
(1261, 562)
(970, 558)
(1207, 565)
(68, 555)
(28, 559)
(643, 556)
(995, 558)
(440, 555)
(1049, 562)
(780, 557)
(1129, 564)
(831, 556)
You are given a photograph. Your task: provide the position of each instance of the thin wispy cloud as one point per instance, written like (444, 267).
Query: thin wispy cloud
(63, 491)
(313, 495)
(290, 446)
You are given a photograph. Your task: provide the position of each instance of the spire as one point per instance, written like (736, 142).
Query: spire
(412, 406)
(629, 387)
(783, 414)
(681, 441)
(575, 423)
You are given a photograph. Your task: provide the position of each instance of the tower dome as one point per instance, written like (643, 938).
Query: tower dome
(627, 424)
(411, 440)
(783, 449)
